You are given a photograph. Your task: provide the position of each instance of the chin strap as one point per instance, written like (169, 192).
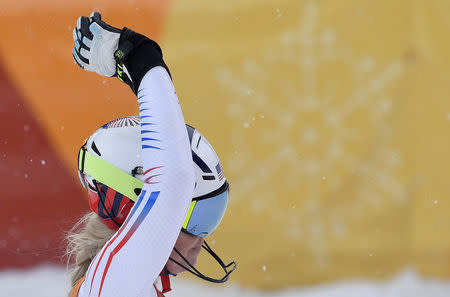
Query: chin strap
(197, 273)
(165, 280)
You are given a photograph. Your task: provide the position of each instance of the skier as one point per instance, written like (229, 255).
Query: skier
(147, 177)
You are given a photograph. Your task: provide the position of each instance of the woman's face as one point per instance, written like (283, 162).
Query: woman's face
(189, 246)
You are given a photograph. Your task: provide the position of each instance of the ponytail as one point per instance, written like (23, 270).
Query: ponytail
(85, 240)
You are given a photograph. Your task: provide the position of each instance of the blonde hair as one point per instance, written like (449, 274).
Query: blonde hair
(85, 240)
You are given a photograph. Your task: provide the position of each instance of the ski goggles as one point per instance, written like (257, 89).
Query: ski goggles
(204, 214)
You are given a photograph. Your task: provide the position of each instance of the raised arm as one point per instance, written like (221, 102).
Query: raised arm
(131, 261)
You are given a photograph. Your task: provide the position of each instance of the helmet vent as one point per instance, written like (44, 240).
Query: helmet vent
(200, 163)
(94, 147)
(209, 177)
(137, 191)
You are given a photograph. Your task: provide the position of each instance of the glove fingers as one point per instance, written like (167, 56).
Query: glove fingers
(84, 53)
(78, 23)
(82, 40)
(75, 35)
(94, 45)
(81, 48)
(77, 59)
(79, 33)
(77, 45)
(96, 17)
(95, 29)
(83, 27)
(87, 42)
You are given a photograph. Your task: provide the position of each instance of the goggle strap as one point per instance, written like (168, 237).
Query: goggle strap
(113, 177)
(108, 174)
(81, 155)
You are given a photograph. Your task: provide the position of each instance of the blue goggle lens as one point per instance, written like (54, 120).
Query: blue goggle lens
(207, 214)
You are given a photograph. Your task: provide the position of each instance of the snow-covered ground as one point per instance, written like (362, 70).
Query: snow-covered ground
(53, 282)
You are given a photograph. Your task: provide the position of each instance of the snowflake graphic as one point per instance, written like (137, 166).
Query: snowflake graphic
(307, 133)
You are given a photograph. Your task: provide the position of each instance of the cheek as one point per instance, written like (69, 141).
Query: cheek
(183, 247)
(193, 254)
(196, 250)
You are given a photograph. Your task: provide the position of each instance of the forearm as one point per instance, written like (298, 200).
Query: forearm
(131, 261)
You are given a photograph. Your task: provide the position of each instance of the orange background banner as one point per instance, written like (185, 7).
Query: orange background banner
(48, 107)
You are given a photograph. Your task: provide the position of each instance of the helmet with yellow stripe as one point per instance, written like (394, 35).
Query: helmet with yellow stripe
(110, 168)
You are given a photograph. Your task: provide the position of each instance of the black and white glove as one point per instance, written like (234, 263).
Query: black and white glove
(110, 51)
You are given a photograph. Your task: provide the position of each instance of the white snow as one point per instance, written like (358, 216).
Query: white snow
(54, 282)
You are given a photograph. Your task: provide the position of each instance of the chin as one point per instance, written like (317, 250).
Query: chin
(191, 256)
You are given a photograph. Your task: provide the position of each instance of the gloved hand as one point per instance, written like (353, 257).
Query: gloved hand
(110, 51)
(95, 44)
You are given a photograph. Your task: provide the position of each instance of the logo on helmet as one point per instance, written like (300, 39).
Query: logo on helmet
(123, 122)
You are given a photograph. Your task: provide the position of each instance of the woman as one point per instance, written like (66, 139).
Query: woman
(150, 160)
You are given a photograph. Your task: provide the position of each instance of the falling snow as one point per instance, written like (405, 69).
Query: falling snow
(278, 13)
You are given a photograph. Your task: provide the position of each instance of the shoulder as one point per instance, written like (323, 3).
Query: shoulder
(77, 287)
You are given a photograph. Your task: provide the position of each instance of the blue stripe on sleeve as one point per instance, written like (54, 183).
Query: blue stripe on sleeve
(150, 146)
(136, 205)
(145, 139)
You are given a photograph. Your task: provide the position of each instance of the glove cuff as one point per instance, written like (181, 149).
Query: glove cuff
(138, 54)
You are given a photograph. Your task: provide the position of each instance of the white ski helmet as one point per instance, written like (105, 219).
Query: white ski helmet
(110, 167)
